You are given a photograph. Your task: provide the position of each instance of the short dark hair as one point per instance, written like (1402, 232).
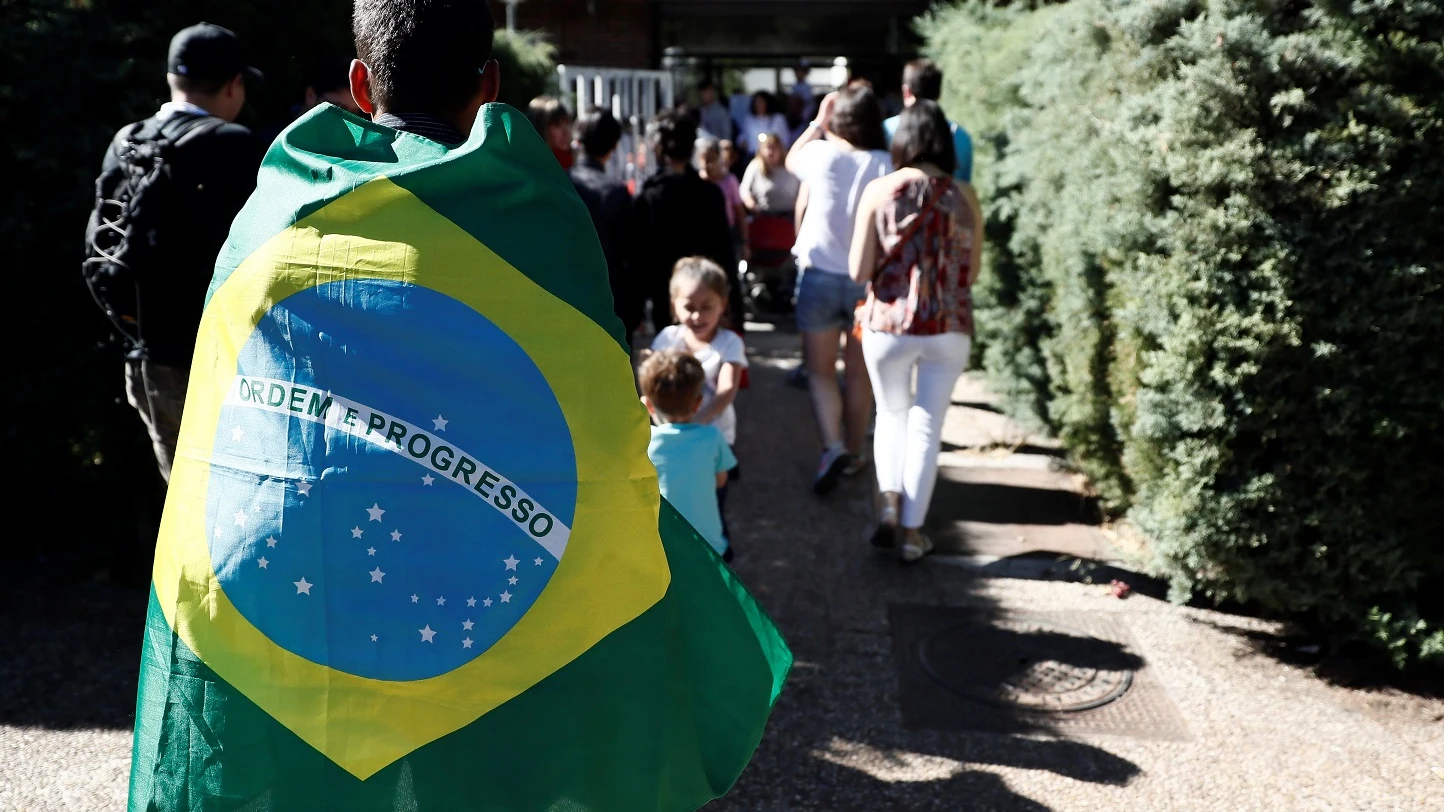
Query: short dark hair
(924, 137)
(597, 131)
(672, 380)
(857, 117)
(924, 78)
(672, 135)
(425, 56)
(544, 111)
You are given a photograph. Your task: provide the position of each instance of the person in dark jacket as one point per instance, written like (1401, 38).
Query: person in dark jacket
(610, 205)
(211, 176)
(678, 214)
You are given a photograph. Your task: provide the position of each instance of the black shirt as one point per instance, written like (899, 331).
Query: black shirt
(610, 206)
(212, 176)
(675, 215)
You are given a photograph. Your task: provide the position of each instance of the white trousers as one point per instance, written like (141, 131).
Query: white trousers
(909, 427)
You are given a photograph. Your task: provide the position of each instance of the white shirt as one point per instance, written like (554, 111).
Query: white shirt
(835, 177)
(726, 348)
(171, 108)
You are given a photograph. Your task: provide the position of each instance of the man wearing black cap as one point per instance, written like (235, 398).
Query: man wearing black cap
(210, 168)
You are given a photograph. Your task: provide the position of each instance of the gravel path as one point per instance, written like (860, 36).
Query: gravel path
(1261, 734)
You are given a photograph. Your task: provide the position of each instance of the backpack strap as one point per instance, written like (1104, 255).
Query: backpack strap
(196, 128)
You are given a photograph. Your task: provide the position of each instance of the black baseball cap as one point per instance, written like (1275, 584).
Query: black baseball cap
(208, 52)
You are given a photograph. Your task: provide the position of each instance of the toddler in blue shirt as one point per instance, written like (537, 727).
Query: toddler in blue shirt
(692, 459)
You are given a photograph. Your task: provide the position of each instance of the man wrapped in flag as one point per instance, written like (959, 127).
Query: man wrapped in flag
(413, 555)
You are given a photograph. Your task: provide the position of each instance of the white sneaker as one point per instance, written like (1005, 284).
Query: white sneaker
(914, 547)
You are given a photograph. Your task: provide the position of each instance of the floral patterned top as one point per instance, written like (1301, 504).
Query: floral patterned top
(922, 286)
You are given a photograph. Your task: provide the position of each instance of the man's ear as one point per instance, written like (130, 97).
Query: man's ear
(236, 86)
(648, 403)
(490, 82)
(360, 77)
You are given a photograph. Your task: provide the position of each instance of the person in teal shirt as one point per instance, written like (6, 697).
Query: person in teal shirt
(692, 459)
(923, 79)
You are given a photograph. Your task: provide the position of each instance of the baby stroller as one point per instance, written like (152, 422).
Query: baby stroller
(771, 273)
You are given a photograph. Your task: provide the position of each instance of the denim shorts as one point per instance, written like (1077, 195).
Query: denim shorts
(827, 301)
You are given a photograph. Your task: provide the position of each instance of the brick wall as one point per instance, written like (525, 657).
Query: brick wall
(611, 33)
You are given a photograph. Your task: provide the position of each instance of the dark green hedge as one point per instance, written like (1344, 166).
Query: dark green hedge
(1214, 271)
(71, 73)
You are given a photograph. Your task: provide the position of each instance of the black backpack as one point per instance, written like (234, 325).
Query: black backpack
(124, 235)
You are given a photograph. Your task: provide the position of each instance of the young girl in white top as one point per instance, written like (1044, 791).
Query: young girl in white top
(699, 303)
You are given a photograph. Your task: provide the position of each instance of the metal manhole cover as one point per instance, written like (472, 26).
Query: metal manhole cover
(1027, 665)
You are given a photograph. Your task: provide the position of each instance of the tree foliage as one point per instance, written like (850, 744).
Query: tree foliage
(1213, 274)
(74, 72)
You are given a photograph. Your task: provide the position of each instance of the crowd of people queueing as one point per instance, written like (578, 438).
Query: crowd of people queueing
(886, 233)
(878, 215)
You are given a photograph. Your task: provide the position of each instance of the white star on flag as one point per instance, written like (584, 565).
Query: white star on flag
(471, 601)
(303, 488)
(466, 642)
(373, 638)
(510, 562)
(375, 511)
(486, 603)
(263, 562)
(371, 551)
(302, 587)
(377, 575)
(237, 433)
(427, 479)
(395, 535)
(441, 601)
(467, 624)
(505, 597)
(440, 423)
(240, 518)
(356, 532)
(415, 598)
(537, 562)
(271, 541)
(511, 580)
(427, 634)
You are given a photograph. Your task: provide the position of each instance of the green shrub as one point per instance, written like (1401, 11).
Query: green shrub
(1213, 276)
(528, 66)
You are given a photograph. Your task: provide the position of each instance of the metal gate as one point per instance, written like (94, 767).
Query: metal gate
(633, 96)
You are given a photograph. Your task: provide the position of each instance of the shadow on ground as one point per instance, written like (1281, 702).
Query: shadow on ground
(960, 500)
(70, 655)
(838, 738)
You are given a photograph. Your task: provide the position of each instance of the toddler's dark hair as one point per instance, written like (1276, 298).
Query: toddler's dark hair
(672, 381)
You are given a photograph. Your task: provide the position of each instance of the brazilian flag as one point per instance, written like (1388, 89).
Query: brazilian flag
(413, 555)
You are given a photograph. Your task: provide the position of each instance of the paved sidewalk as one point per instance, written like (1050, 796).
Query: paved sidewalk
(1258, 734)
(1251, 732)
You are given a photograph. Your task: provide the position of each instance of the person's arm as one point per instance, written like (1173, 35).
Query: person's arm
(976, 259)
(740, 212)
(749, 177)
(728, 380)
(862, 256)
(817, 129)
(726, 460)
(799, 208)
